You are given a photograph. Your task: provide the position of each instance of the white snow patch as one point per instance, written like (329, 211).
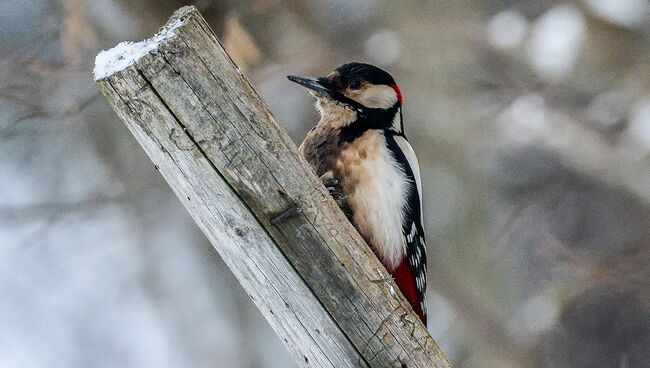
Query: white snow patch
(507, 29)
(536, 315)
(638, 129)
(607, 109)
(384, 47)
(556, 39)
(525, 120)
(128, 53)
(628, 13)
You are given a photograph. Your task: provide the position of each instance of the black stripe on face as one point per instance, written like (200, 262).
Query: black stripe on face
(370, 119)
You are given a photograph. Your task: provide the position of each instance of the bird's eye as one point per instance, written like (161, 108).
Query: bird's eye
(354, 84)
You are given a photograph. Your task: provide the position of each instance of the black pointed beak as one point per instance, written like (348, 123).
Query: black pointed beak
(314, 83)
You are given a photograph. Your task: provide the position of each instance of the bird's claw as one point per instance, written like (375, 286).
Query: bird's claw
(334, 188)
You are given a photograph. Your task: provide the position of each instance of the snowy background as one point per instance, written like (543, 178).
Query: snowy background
(531, 120)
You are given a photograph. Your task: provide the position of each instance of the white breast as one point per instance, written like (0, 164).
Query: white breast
(377, 196)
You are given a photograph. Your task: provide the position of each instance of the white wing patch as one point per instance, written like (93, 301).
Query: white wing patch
(405, 146)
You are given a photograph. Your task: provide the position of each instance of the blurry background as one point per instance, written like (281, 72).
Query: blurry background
(531, 120)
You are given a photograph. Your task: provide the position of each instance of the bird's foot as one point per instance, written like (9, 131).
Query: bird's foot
(334, 187)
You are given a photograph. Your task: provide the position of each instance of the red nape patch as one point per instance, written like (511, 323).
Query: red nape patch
(406, 282)
(397, 92)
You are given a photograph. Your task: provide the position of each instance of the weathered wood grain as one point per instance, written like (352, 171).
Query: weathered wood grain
(217, 145)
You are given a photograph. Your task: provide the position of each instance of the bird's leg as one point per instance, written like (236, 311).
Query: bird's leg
(335, 189)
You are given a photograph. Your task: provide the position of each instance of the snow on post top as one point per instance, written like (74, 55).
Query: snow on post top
(127, 53)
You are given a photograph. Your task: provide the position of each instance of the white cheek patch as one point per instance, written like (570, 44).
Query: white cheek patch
(377, 97)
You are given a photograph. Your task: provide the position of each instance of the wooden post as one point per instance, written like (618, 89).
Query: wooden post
(215, 142)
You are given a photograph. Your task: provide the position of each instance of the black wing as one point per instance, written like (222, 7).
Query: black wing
(413, 229)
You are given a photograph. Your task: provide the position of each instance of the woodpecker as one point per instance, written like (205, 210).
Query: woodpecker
(360, 152)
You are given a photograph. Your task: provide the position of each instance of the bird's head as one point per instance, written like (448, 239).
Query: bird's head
(354, 92)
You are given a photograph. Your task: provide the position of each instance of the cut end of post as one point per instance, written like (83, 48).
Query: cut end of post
(125, 54)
